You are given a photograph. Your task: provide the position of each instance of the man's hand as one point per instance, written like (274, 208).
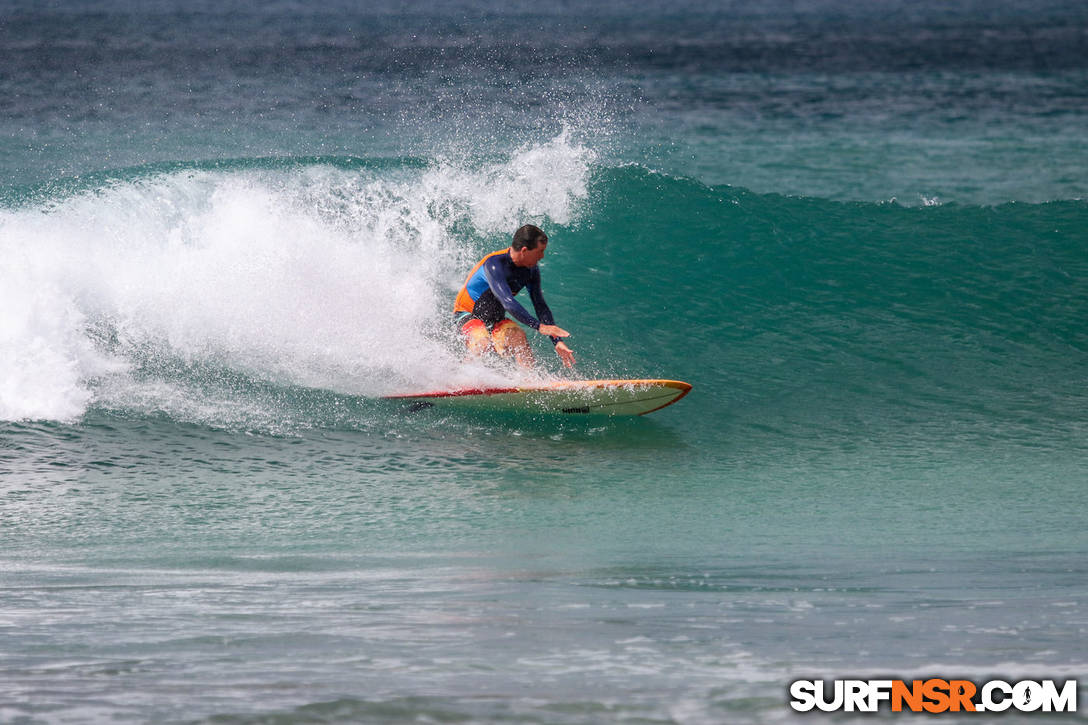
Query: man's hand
(565, 354)
(553, 331)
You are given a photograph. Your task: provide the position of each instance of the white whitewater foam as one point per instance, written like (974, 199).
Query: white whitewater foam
(316, 276)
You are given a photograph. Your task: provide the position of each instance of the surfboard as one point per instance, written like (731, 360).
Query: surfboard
(565, 397)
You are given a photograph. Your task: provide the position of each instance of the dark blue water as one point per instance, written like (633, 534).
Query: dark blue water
(971, 102)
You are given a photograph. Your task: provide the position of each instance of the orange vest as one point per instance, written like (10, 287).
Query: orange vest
(464, 301)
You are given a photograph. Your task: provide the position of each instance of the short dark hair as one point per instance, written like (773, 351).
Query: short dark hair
(528, 237)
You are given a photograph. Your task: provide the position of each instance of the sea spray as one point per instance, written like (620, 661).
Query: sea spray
(312, 276)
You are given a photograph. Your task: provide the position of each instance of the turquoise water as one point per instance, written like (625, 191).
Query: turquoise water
(226, 232)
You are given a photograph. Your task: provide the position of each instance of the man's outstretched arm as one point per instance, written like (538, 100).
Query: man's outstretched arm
(547, 322)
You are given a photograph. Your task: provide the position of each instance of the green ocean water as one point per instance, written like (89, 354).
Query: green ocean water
(209, 514)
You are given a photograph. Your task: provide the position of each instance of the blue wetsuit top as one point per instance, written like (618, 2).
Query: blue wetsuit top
(489, 292)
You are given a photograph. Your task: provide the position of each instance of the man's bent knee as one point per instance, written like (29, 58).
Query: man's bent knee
(509, 340)
(506, 336)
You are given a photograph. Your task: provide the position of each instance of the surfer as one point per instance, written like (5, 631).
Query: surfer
(488, 294)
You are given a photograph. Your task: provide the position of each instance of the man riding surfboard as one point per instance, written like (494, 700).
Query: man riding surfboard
(488, 294)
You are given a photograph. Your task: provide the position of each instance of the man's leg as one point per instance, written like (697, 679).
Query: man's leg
(509, 339)
(476, 337)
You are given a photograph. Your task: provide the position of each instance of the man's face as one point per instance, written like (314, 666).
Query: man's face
(528, 257)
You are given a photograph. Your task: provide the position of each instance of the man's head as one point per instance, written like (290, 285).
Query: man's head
(527, 247)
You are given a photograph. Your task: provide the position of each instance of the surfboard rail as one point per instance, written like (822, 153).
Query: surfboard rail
(600, 397)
